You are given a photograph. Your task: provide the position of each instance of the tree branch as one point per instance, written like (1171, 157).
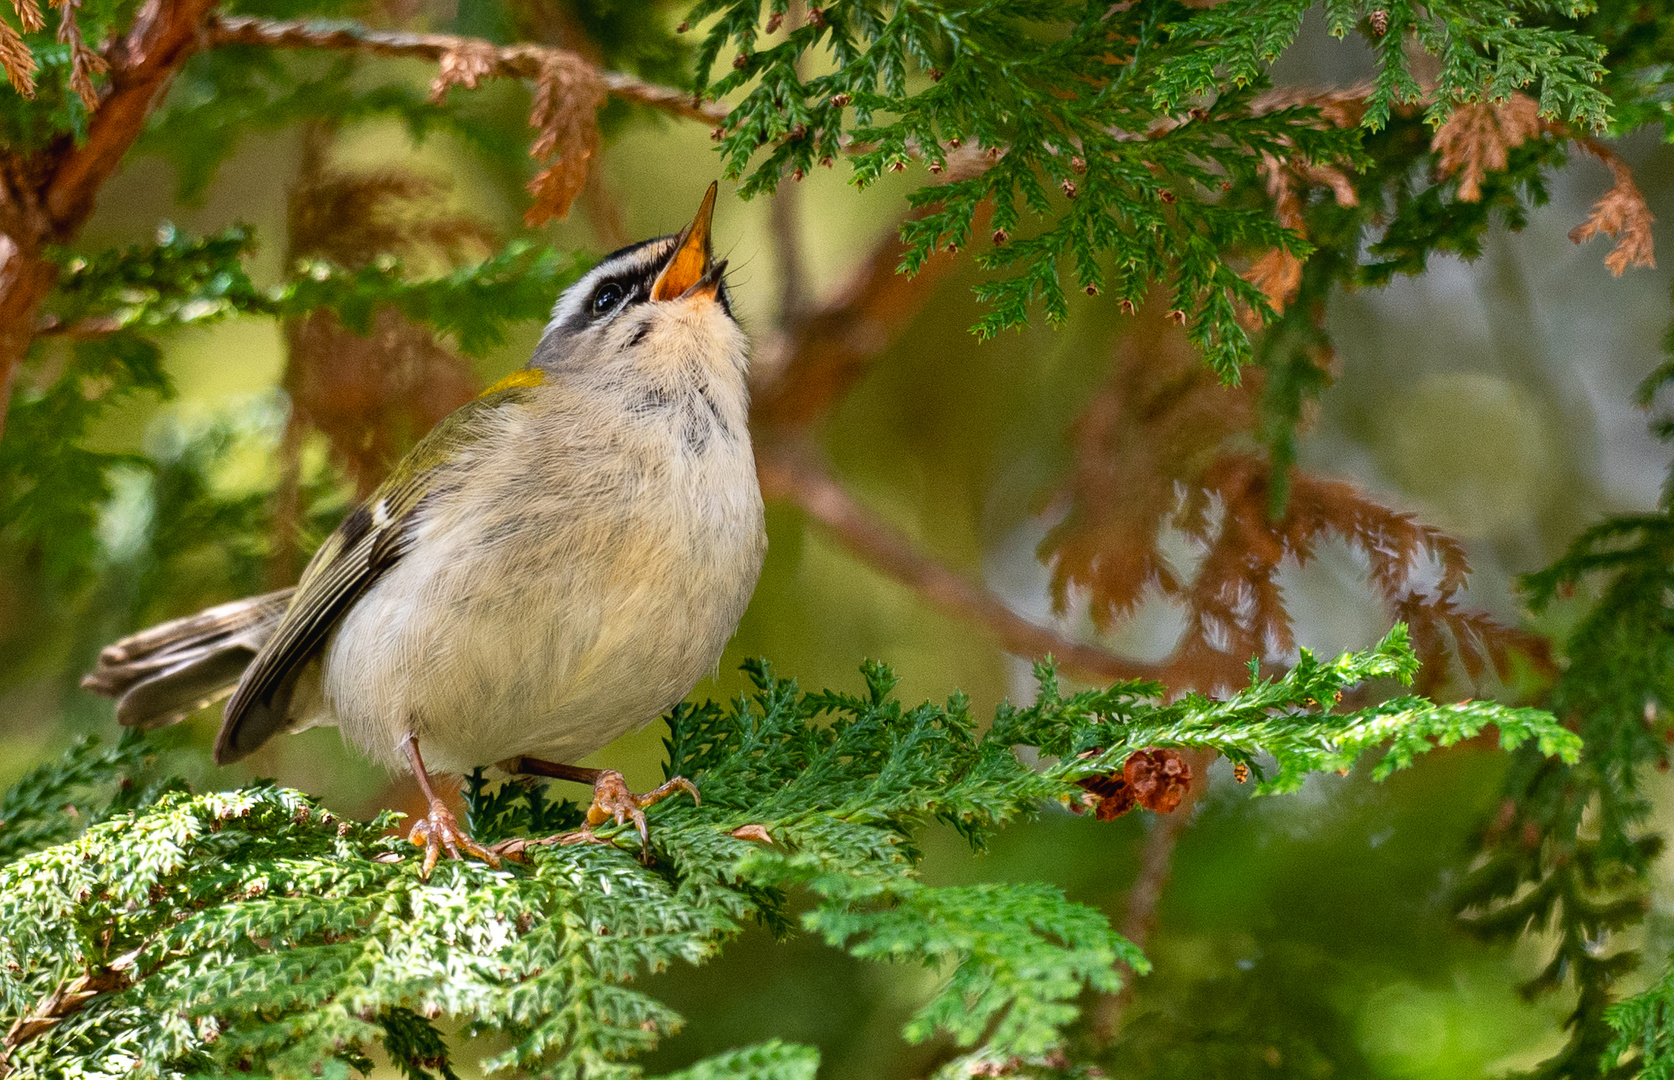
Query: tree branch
(51, 195)
(523, 61)
(164, 35)
(790, 471)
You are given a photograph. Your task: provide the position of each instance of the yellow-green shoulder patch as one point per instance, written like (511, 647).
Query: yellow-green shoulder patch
(517, 380)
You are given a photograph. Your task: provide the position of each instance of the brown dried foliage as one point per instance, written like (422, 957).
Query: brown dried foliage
(1156, 451)
(373, 395)
(29, 14)
(1288, 180)
(17, 60)
(1622, 214)
(1478, 138)
(1158, 421)
(84, 62)
(1475, 140)
(1235, 605)
(1155, 779)
(1278, 273)
(1342, 108)
(565, 113)
(1441, 627)
(466, 64)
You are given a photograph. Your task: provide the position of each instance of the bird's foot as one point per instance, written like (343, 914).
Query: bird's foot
(439, 830)
(613, 800)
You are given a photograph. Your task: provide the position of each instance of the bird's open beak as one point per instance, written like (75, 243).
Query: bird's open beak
(691, 271)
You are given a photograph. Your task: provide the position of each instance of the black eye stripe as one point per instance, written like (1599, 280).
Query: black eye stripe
(633, 270)
(619, 291)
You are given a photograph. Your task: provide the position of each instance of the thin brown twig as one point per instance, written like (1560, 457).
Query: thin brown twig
(81, 329)
(791, 472)
(523, 61)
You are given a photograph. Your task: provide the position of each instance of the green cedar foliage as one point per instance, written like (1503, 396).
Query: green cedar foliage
(1618, 691)
(1114, 131)
(1568, 850)
(192, 934)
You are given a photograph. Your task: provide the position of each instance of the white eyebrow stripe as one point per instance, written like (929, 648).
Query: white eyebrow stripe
(640, 258)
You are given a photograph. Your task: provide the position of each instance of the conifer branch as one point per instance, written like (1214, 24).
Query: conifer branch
(54, 190)
(482, 59)
(251, 930)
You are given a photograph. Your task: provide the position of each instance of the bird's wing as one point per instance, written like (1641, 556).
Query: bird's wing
(369, 541)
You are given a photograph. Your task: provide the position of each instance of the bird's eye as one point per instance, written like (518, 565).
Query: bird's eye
(606, 298)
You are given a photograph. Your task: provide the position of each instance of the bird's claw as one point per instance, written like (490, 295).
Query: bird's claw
(612, 800)
(439, 830)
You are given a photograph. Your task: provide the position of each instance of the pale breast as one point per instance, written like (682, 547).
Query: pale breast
(585, 579)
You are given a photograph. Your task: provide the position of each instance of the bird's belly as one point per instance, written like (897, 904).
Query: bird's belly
(549, 647)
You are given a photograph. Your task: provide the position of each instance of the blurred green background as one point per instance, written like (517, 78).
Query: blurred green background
(1302, 936)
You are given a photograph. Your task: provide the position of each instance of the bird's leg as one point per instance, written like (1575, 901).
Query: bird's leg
(439, 829)
(611, 797)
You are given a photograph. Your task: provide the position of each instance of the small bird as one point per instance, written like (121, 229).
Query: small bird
(556, 563)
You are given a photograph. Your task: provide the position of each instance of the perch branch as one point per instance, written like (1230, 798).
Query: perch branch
(524, 61)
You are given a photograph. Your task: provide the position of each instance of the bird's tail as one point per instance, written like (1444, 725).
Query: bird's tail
(162, 675)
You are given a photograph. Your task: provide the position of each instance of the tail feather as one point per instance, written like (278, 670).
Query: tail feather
(163, 674)
(182, 690)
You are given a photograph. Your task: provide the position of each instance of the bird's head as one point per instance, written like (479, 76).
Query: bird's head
(653, 306)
